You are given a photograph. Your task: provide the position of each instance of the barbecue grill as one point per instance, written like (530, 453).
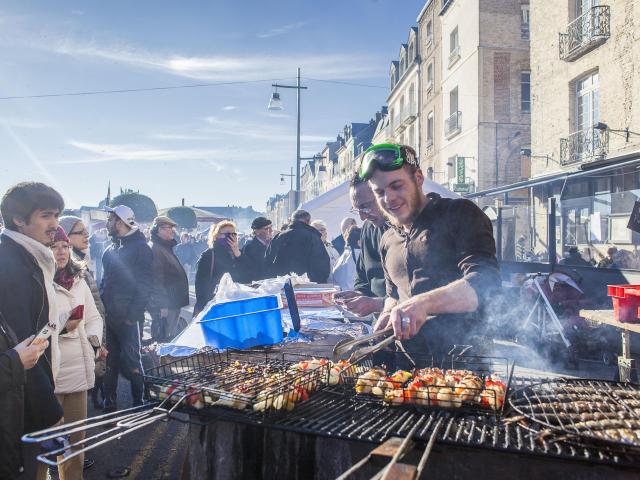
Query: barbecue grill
(333, 414)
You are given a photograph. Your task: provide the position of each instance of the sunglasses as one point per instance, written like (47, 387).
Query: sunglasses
(386, 157)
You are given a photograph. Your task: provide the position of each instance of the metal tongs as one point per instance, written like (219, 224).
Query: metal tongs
(350, 347)
(118, 424)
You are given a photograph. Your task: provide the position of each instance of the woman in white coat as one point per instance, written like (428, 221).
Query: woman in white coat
(78, 343)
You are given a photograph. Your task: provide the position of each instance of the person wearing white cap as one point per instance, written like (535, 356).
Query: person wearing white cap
(126, 286)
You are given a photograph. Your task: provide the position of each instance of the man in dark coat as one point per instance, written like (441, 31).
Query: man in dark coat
(30, 211)
(170, 284)
(125, 290)
(254, 250)
(298, 249)
(15, 359)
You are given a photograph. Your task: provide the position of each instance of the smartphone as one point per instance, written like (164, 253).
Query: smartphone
(44, 333)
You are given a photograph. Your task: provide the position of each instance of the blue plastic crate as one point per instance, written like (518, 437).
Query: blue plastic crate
(243, 323)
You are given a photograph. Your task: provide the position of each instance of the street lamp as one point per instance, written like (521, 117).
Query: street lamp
(276, 104)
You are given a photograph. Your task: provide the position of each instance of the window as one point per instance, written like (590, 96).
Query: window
(525, 92)
(583, 6)
(430, 126)
(453, 101)
(524, 23)
(411, 53)
(430, 76)
(454, 46)
(429, 32)
(587, 102)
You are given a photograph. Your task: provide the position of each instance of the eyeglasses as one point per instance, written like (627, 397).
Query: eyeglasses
(387, 157)
(363, 210)
(84, 232)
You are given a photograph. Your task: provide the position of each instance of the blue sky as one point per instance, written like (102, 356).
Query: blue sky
(212, 146)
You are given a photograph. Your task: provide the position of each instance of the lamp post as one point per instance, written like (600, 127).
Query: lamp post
(276, 104)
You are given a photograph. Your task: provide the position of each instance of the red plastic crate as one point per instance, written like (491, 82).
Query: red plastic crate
(626, 302)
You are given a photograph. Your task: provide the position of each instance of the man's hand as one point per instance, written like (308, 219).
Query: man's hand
(364, 306)
(383, 321)
(346, 295)
(409, 317)
(29, 354)
(164, 312)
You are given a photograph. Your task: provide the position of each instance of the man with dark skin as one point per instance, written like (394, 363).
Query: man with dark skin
(438, 257)
(369, 292)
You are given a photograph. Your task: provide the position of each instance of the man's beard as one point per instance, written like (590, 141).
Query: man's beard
(414, 203)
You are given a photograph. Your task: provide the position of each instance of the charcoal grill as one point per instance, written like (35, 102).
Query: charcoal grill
(594, 411)
(332, 415)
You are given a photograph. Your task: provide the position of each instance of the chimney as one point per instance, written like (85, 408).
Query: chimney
(183, 202)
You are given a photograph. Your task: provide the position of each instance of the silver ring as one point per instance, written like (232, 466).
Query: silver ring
(405, 320)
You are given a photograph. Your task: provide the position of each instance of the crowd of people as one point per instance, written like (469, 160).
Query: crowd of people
(415, 258)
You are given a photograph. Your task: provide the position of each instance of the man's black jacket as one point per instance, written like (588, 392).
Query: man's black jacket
(298, 249)
(24, 304)
(253, 267)
(127, 278)
(370, 280)
(170, 283)
(12, 379)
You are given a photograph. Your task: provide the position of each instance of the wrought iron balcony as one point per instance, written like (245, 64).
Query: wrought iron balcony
(586, 145)
(585, 33)
(453, 125)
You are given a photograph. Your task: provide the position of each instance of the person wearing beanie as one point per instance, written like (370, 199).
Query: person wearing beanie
(78, 235)
(170, 284)
(253, 252)
(78, 343)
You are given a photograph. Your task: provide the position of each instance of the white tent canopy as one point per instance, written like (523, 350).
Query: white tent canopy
(334, 205)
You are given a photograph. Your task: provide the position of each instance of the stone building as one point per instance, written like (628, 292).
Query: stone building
(404, 100)
(585, 82)
(475, 102)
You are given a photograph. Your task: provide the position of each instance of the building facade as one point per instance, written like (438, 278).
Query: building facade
(404, 96)
(475, 93)
(585, 83)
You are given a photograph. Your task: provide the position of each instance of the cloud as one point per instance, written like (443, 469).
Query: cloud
(223, 68)
(229, 107)
(108, 152)
(274, 32)
(259, 131)
(21, 123)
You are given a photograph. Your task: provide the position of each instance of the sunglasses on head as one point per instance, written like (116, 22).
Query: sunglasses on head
(386, 157)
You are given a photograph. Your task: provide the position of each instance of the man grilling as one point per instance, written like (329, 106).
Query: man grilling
(438, 257)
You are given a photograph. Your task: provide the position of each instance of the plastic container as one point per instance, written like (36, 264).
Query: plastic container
(243, 323)
(626, 302)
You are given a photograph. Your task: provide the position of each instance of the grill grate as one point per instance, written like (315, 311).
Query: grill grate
(332, 415)
(591, 410)
(258, 382)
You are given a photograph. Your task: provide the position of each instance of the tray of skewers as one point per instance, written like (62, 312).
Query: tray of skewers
(265, 384)
(477, 384)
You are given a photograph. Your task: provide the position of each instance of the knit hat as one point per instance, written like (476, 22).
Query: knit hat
(68, 222)
(259, 223)
(61, 236)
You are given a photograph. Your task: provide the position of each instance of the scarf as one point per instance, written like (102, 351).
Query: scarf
(63, 278)
(47, 263)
